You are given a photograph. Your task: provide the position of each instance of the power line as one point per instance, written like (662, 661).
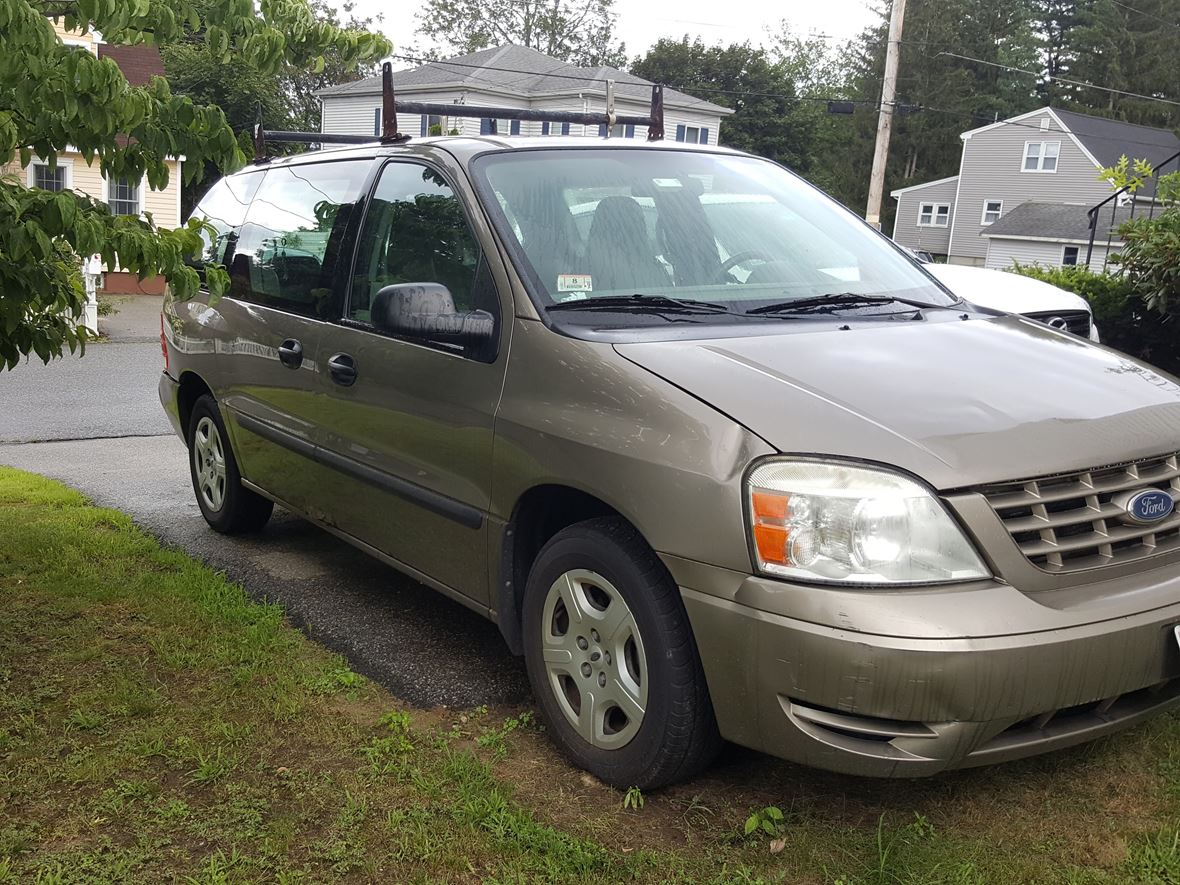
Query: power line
(977, 119)
(1081, 83)
(1146, 14)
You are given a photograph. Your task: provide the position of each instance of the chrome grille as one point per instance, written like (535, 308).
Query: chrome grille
(1071, 522)
(1076, 321)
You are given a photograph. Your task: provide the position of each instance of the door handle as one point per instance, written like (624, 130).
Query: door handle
(291, 353)
(342, 368)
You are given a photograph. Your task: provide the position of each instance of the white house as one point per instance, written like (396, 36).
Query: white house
(516, 77)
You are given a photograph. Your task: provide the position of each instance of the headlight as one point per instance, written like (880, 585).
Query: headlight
(836, 523)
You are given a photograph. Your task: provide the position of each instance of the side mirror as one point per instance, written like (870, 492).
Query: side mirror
(427, 310)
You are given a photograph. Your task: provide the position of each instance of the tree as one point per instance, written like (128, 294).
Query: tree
(53, 95)
(947, 95)
(766, 119)
(576, 31)
(1124, 47)
(287, 96)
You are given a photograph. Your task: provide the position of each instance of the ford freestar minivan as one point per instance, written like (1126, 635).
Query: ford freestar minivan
(718, 458)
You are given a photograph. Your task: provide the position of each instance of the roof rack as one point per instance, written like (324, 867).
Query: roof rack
(390, 108)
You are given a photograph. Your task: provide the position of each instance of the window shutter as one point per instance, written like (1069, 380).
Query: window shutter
(486, 126)
(545, 127)
(680, 132)
(514, 128)
(376, 121)
(565, 128)
(704, 135)
(425, 125)
(629, 132)
(602, 130)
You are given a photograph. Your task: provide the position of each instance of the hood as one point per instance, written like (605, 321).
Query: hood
(956, 402)
(1000, 290)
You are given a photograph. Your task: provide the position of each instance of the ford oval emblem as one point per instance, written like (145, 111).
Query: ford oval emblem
(1148, 506)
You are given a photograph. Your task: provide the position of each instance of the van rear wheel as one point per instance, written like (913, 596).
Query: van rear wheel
(227, 505)
(612, 661)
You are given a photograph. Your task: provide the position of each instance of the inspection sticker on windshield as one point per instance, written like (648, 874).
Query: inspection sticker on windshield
(575, 282)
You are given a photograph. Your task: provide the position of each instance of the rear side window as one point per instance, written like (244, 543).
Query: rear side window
(287, 252)
(224, 207)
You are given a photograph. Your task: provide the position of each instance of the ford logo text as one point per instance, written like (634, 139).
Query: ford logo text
(1148, 506)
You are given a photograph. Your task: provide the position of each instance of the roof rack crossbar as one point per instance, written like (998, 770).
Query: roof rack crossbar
(287, 137)
(437, 109)
(391, 107)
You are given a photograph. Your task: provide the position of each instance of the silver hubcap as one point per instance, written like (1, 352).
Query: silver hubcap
(209, 463)
(594, 658)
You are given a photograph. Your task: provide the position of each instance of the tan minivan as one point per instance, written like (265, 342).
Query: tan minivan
(718, 458)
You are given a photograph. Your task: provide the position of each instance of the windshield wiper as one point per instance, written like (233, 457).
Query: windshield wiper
(835, 301)
(642, 302)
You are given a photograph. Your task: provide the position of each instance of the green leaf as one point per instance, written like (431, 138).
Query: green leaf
(751, 824)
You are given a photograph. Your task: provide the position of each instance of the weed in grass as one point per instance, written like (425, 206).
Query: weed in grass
(211, 767)
(496, 739)
(54, 875)
(217, 869)
(1155, 859)
(633, 799)
(390, 754)
(85, 720)
(768, 820)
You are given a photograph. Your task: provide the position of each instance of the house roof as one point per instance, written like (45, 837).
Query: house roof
(1056, 221)
(1109, 139)
(526, 72)
(925, 184)
(138, 63)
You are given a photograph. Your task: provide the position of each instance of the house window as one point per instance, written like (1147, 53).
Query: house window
(692, 134)
(123, 197)
(934, 215)
(991, 211)
(49, 179)
(1041, 156)
(548, 128)
(432, 124)
(1069, 256)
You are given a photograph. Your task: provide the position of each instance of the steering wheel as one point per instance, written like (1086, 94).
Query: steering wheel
(742, 257)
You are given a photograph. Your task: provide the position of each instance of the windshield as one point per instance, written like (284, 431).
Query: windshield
(729, 230)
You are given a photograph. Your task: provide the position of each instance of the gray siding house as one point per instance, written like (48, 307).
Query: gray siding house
(924, 215)
(517, 77)
(1045, 157)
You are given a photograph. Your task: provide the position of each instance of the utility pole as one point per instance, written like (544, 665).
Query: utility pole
(885, 115)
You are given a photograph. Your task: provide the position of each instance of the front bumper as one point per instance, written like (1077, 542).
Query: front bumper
(906, 705)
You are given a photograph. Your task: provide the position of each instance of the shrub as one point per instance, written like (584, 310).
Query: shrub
(1150, 259)
(1123, 318)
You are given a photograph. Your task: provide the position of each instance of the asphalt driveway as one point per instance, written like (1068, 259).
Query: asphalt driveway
(95, 423)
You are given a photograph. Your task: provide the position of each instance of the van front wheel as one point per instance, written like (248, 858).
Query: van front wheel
(612, 660)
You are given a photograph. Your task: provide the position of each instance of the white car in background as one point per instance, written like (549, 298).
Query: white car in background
(1016, 293)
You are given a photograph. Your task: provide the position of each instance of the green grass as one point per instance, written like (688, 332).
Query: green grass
(157, 725)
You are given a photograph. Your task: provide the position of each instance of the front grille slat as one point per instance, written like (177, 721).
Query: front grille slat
(1003, 500)
(1071, 522)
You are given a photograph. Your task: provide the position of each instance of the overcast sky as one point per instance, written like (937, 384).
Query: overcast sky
(642, 22)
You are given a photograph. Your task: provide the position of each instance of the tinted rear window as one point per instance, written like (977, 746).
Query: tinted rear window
(287, 252)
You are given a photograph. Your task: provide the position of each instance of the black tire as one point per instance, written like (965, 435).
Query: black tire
(237, 509)
(677, 735)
